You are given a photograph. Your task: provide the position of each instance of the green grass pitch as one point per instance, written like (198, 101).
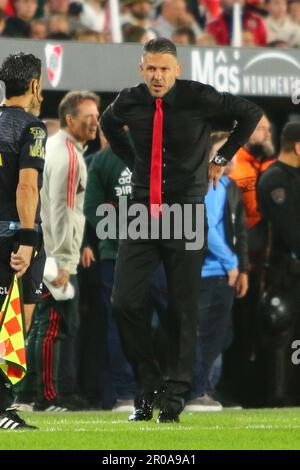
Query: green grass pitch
(230, 429)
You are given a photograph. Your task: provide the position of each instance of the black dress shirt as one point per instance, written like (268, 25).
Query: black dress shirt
(189, 110)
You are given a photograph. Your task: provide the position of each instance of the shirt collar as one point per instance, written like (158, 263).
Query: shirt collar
(77, 144)
(168, 98)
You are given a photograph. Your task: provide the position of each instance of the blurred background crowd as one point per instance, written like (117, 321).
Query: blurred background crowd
(274, 23)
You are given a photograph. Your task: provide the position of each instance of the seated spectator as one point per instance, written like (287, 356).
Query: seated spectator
(174, 14)
(221, 27)
(57, 25)
(248, 39)
(16, 28)
(294, 11)
(206, 40)
(90, 14)
(39, 29)
(279, 26)
(137, 13)
(135, 34)
(56, 7)
(184, 36)
(26, 9)
(88, 35)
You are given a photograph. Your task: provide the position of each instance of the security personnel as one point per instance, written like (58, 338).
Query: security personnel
(279, 195)
(22, 151)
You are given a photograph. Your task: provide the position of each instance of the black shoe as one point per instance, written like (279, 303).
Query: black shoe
(167, 416)
(52, 406)
(142, 412)
(9, 420)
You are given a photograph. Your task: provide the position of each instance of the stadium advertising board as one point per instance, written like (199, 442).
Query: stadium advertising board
(111, 67)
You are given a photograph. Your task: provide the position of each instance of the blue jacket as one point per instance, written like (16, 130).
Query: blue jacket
(220, 258)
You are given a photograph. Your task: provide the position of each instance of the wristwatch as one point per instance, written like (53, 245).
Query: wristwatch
(219, 160)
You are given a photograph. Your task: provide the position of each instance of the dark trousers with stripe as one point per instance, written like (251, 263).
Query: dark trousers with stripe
(54, 323)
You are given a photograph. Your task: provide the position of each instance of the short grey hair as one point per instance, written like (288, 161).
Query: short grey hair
(69, 104)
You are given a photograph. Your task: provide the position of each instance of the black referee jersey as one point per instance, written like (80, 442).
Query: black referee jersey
(22, 145)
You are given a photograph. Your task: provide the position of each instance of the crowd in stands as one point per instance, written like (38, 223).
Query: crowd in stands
(274, 23)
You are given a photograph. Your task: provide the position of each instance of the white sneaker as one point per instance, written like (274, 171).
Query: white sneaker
(18, 406)
(124, 405)
(204, 403)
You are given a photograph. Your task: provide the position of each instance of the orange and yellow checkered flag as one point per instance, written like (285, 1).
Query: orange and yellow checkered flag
(12, 336)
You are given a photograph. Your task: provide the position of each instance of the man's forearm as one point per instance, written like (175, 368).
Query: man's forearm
(27, 201)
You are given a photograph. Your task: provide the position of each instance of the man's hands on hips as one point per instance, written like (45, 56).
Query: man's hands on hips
(214, 174)
(62, 279)
(21, 260)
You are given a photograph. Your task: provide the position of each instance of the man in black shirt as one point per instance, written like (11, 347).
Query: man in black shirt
(170, 124)
(22, 151)
(278, 196)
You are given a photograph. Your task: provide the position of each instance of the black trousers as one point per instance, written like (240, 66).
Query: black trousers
(136, 261)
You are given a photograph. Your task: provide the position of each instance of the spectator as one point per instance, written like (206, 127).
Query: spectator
(184, 36)
(56, 7)
(221, 27)
(138, 13)
(294, 11)
(16, 28)
(279, 25)
(39, 28)
(26, 9)
(90, 14)
(88, 35)
(135, 34)
(58, 24)
(174, 14)
(248, 39)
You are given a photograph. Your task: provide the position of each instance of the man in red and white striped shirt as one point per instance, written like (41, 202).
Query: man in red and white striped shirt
(62, 199)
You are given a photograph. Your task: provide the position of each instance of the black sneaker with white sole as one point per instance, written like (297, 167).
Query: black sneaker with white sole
(9, 420)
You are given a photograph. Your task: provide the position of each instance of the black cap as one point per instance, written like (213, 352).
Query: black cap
(291, 132)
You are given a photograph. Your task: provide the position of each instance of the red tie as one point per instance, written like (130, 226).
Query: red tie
(156, 161)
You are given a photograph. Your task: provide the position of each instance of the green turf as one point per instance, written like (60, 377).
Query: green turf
(245, 429)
